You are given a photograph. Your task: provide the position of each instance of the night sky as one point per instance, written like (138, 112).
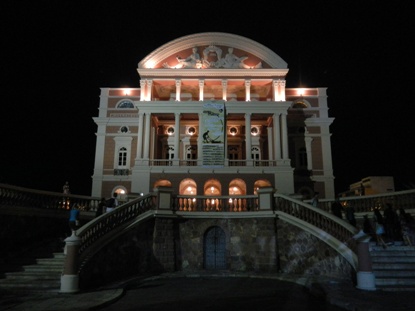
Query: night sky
(57, 54)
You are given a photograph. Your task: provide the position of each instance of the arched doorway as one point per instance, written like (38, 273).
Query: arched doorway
(214, 251)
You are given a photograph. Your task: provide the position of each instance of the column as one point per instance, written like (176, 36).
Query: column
(201, 88)
(308, 141)
(140, 137)
(270, 143)
(279, 90)
(284, 136)
(200, 141)
(277, 138)
(149, 89)
(147, 137)
(176, 138)
(275, 96)
(248, 144)
(224, 90)
(248, 90)
(226, 144)
(142, 90)
(282, 84)
(178, 89)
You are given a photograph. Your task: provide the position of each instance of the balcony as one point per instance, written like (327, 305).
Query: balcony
(121, 172)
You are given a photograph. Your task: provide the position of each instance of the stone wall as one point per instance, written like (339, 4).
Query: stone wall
(302, 253)
(253, 245)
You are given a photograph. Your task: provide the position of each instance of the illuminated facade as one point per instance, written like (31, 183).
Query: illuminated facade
(213, 116)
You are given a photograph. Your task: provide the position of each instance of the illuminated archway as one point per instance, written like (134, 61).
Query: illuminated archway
(260, 184)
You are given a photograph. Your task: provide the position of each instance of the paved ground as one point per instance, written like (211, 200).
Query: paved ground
(217, 292)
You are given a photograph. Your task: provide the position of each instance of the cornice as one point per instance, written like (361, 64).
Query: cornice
(214, 73)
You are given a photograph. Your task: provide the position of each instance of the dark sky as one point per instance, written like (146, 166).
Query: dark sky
(57, 54)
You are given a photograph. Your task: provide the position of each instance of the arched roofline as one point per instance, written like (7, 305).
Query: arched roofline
(213, 38)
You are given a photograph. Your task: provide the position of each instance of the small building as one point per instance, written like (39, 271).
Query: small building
(371, 185)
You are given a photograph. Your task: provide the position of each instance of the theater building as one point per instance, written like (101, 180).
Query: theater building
(212, 117)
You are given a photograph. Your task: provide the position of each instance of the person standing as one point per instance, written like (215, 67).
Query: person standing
(101, 207)
(112, 203)
(65, 199)
(74, 216)
(115, 196)
(314, 201)
(392, 225)
(65, 188)
(367, 226)
(350, 215)
(379, 228)
(337, 208)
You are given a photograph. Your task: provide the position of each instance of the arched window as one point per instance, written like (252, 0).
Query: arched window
(299, 104)
(125, 104)
(256, 155)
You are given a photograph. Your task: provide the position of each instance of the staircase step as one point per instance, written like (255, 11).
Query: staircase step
(31, 283)
(50, 261)
(396, 288)
(394, 273)
(32, 275)
(45, 269)
(393, 266)
(395, 259)
(395, 281)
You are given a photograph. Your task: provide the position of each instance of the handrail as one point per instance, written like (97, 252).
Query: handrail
(117, 219)
(14, 196)
(367, 203)
(341, 230)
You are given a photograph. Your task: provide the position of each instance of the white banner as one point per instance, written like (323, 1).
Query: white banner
(214, 130)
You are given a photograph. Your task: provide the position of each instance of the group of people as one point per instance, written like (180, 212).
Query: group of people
(393, 225)
(386, 227)
(104, 206)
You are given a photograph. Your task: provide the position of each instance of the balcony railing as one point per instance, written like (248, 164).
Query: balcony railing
(196, 203)
(367, 203)
(121, 172)
(233, 163)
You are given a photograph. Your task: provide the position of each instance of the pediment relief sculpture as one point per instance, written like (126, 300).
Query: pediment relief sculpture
(212, 58)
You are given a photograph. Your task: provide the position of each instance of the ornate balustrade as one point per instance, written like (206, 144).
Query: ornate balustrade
(13, 197)
(367, 203)
(317, 217)
(233, 163)
(198, 203)
(110, 222)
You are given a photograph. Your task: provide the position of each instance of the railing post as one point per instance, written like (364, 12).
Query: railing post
(365, 276)
(266, 198)
(163, 197)
(70, 277)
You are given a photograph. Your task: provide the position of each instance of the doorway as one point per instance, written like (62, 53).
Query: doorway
(215, 249)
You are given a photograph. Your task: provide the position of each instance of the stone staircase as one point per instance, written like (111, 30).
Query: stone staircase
(34, 271)
(393, 267)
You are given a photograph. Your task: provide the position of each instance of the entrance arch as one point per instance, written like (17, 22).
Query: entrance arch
(214, 250)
